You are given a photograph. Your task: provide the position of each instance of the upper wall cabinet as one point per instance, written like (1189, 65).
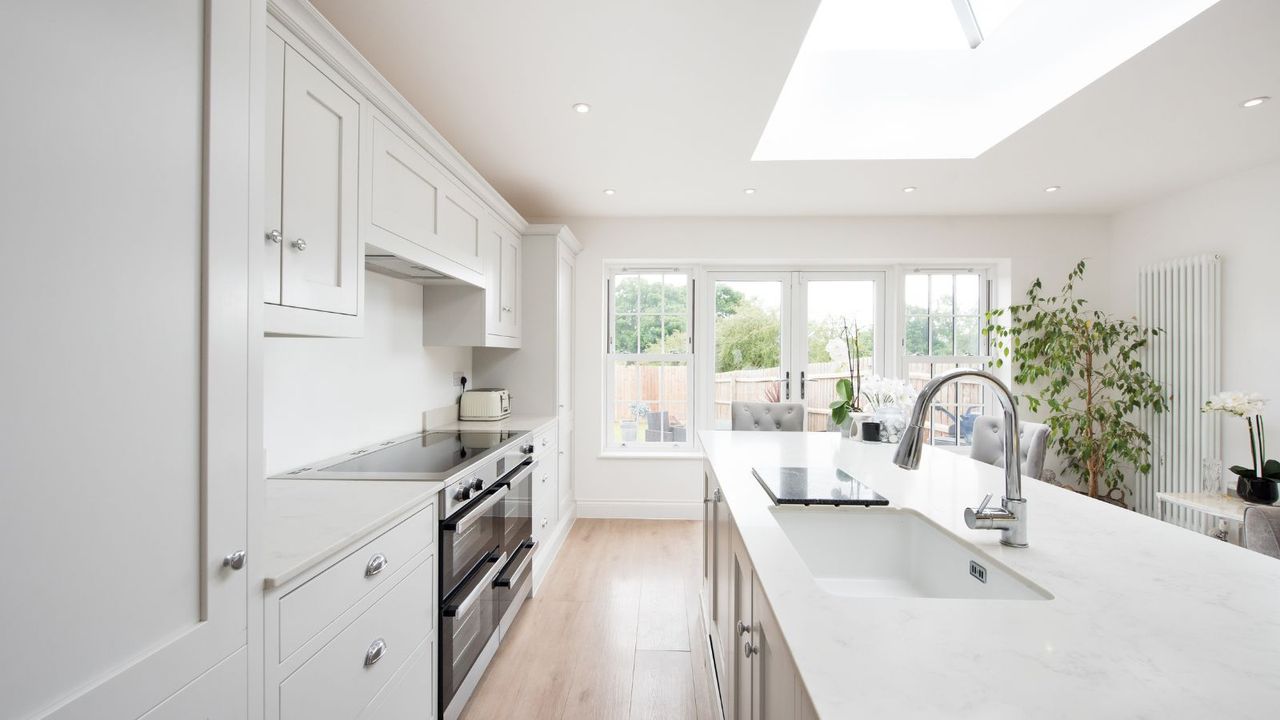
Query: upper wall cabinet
(416, 211)
(314, 259)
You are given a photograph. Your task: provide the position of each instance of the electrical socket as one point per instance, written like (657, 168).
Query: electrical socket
(457, 379)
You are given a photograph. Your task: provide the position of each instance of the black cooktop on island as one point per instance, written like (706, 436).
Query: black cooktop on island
(815, 486)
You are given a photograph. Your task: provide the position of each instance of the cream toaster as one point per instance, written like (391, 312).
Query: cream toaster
(484, 404)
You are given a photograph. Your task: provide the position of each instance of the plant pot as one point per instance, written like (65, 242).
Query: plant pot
(629, 430)
(1263, 491)
(849, 428)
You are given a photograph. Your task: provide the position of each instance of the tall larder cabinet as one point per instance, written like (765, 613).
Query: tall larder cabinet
(540, 373)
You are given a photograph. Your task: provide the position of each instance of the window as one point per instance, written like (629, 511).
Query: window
(942, 330)
(778, 336)
(649, 366)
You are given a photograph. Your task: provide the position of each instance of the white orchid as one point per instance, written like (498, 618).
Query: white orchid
(1235, 403)
(886, 392)
(1248, 406)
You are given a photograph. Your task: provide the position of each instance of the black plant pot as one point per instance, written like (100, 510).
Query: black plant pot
(1263, 491)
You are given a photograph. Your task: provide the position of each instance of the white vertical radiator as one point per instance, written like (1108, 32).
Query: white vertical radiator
(1183, 299)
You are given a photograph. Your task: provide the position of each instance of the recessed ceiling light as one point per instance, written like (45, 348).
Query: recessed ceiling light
(909, 189)
(1053, 188)
(581, 108)
(609, 191)
(1255, 102)
(749, 191)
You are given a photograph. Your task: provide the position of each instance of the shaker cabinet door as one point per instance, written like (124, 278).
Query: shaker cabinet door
(126, 466)
(321, 266)
(273, 152)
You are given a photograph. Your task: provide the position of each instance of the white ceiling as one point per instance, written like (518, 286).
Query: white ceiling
(681, 91)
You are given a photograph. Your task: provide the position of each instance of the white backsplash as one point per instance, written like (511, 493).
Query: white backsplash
(323, 396)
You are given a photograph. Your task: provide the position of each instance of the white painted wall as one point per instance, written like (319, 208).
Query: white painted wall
(1033, 246)
(323, 396)
(1237, 217)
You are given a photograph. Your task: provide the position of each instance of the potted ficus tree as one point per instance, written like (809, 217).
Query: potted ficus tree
(1260, 482)
(1084, 368)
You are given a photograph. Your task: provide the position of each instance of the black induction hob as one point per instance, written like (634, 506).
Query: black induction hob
(815, 486)
(421, 456)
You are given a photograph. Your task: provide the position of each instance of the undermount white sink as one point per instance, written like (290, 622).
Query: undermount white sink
(891, 552)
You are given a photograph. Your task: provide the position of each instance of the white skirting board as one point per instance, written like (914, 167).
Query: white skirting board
(641, 509)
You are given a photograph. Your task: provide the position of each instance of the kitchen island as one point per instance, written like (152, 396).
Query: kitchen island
(1134, 617)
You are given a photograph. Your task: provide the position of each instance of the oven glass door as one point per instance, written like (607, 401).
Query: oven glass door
(468, 619)
(517, 507)
(471, 535)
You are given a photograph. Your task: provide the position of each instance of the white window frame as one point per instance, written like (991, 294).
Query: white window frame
(986, 278)
(609, 444)
(794, 321)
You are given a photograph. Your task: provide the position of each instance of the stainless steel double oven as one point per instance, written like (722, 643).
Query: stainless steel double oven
(485, 548)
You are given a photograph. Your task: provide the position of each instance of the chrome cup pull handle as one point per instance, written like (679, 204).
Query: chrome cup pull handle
(375, 652)
(377, 564)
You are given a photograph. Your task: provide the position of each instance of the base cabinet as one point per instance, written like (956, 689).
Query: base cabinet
(356, 637)
(752, 668)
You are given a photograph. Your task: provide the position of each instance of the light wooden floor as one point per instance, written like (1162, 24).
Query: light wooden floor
(615, 631)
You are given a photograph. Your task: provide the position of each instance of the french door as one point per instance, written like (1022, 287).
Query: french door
(789, 336)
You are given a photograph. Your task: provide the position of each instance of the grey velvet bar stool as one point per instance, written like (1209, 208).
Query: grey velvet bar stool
(988, 444)
(765, 416)
(1262, 529)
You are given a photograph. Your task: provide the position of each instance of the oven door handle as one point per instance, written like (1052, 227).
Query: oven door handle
(522, 471)
(514, 578)
(460, 525)
(486, 581)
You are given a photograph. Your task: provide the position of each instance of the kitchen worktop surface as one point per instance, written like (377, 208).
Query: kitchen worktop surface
(1147, 619)
(308, 521)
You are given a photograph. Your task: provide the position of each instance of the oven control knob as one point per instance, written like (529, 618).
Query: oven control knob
(462, 493)
(526, 449)
(477, 484)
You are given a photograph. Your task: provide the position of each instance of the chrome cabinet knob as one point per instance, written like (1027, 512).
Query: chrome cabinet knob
(375, 652)
(275, 236)
(743, 628)
(235, 560)
(299, 244)
(716, 495)
(506, 309)
(748, 649)
(377, 564)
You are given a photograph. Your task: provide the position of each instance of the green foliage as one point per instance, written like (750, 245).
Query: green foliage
(1086, 370)
(841, 408)
(748, 338)
(1270, 470)
(639, 304)
(727, 300)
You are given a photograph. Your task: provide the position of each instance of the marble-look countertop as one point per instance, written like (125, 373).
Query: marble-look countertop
(309, 521)
(1148, 620)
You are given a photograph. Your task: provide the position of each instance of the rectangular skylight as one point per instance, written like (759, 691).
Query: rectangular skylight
(898, 79)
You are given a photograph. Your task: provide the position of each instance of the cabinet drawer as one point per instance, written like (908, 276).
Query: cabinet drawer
(544, 443)
(308, 609)
(411, 693)
(342, 679)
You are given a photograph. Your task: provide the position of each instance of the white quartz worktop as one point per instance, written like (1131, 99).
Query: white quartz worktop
(308, 521)
(1147, 620)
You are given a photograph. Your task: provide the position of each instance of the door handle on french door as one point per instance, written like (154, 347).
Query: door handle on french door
(787, 382)
(801, 384)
